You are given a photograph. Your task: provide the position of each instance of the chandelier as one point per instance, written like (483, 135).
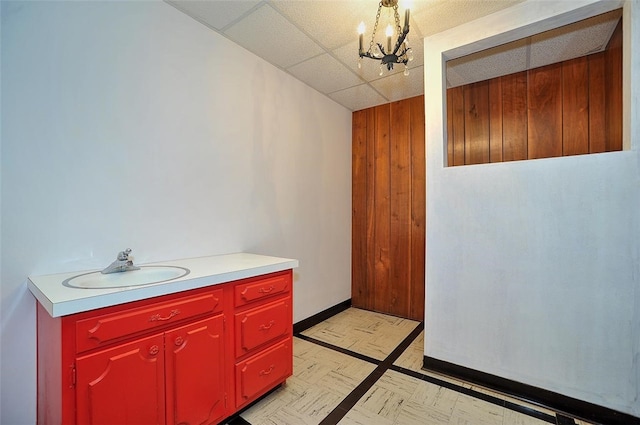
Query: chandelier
(392, 53)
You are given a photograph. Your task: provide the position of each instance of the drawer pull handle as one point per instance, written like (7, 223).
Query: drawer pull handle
(267, 327)
(178, 341)
(158, 318)
(154, 349)
(266, 290)
(268, 371)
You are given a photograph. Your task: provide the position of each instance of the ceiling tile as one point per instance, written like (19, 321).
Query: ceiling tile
(325, 74)
(358, 97)
(215, 14)
(440, 15)
(398, 86)
(502, 60)
(584, 37)
(269, 35)
(330, 23)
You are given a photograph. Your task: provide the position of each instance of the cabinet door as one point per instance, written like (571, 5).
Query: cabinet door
(195, 373)
(122, 385)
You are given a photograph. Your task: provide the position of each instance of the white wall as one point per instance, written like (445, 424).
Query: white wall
(533, 267)
(128, 124)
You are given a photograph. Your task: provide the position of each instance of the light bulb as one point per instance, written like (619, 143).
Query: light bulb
(381, 72)
(359, 63)
(361, 28)
(406, 71)
(410, 54)
(405, 4)
(389, 31)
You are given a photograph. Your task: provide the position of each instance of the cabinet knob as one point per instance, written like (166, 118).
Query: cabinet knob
(179, 341)
(154, 349)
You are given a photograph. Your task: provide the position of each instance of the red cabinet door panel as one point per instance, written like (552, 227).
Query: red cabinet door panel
(194, 373)
(261, 289)
(262, 372)
(96, 331)
(261, 325)
(122, 385)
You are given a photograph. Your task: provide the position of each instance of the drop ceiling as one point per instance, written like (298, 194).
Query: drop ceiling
(317, 43)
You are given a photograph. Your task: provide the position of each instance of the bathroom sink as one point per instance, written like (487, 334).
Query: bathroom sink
(145, 276)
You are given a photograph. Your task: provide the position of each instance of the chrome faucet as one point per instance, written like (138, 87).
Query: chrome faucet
(121, 264)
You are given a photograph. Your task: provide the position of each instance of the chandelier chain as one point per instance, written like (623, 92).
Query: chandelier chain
(375, 27)
(395, 12)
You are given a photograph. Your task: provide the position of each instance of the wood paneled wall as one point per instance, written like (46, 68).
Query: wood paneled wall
(568, 108)
(388, 209)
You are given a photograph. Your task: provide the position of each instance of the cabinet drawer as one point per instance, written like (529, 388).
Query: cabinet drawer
(262, 372)
(100, 330)
(263, 324)
(255, 291)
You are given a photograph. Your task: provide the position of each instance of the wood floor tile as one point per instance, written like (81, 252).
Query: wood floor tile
(512, 400)
(516, 418)
(372, 334)
(360, 416)
(472, 411)
(419, 414)
(399, 399)
(435, 398)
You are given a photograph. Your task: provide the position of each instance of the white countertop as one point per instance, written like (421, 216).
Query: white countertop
(60, 300)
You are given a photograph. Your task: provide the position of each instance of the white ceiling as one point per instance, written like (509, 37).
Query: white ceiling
(317, 42)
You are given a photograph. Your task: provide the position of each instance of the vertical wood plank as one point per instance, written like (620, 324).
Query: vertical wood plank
(545, 112)
(495, 120)
(418, 208)
(457, 126)
(613, 70)
(476, 123)
(575, 106)
(382, 210)
(359, 287)
(370, 237)
(514, 116)
(400, 200)
(450, 113)
(597, 110)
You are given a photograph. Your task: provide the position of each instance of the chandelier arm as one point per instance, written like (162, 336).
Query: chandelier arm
(370, 56)
(400, 41)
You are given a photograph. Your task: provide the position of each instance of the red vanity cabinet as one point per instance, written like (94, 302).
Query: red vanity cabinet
(165, 360)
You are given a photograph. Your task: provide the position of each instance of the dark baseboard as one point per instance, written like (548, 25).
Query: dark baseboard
(545, 398)
(305, 324)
